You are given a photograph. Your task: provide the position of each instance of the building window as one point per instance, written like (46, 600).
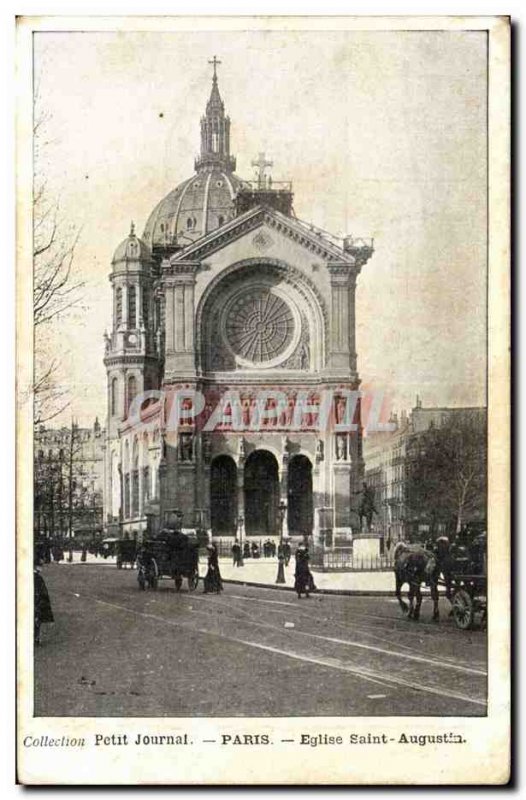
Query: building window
(132, 390)
(132, 307)
(145, 307)
(118, 306)
(135, 493)
(126, 496)
(145, 485)
(114, 398)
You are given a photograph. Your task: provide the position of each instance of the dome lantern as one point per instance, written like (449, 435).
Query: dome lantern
(205, 201)
(132, 251)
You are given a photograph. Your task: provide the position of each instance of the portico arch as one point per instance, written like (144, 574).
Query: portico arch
(223, 496)
(300, 509)
(261, 489)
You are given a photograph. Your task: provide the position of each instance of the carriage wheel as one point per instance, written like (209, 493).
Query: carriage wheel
(193, 582)
(463, 612)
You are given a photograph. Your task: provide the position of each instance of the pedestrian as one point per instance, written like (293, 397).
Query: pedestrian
(58, 552)
(246, 550)
(212, 581)
(287, 552)
(236, 553)
(84, 553)
(42, 604)
(303, 580)
(70, 555)
(47, 552)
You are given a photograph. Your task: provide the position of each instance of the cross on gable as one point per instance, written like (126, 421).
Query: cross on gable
(215, 61)
(261, 164)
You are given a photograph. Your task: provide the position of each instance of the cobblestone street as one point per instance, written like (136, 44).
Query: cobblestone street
(116, 651)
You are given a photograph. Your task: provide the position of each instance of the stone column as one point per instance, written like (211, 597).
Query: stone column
(121, 493)
(342, 346)
(140, 504)
(138, 310)
(124, 316)
(339, 335)
(352, 320)
(178, 280)
(240, 529)
(284, 492)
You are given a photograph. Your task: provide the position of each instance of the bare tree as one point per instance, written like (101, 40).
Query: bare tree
(55, 287)
(64, 497)
(446, 480)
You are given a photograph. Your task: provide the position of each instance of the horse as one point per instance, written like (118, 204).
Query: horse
(415, 565)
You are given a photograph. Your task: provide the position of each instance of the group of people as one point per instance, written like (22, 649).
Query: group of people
(252, 550)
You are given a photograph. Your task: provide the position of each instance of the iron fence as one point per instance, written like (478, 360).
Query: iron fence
(343, 561)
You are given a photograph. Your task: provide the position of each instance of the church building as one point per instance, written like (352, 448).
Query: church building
(231, 361)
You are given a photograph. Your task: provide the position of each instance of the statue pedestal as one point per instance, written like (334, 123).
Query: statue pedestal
(366, 546)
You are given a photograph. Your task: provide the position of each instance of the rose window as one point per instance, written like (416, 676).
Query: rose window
(259, 326)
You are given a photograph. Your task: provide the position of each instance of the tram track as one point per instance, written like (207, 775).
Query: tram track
(346, 624)
(413, 655)
(384, 677)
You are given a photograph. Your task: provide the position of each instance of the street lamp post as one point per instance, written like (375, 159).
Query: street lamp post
(240, 524)
(282, 508)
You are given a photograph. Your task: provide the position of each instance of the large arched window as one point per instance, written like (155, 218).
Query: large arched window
(114, 396)
(135, 479)
(118, 306)
(132, 390)
(132, 307)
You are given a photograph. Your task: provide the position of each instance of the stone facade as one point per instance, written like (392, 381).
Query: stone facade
(390, 457)
(69, 474)
(252, 320)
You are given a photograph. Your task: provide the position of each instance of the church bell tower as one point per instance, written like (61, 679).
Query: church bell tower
(215, 132)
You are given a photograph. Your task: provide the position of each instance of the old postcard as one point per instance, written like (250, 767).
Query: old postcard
(263, 400)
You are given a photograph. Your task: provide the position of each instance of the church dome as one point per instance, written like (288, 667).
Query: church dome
(132, 250)
(197, 206)
(205, 201)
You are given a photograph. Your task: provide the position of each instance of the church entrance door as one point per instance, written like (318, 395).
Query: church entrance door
(261, 494)
(300, 506)
(223, 496)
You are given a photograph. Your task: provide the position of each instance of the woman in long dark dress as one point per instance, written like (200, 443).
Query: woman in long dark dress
(212, 581)
(303, 580)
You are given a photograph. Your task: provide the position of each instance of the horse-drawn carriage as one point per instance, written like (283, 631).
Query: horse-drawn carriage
(171, 555)
(460, 568)
(467, 582)
(126, 553)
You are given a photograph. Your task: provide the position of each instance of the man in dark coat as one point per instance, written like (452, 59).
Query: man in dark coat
(42, 611)
(236, 553)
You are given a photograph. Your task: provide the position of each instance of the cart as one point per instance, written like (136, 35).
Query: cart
(170, 555)
(468, 583)
(126, 552)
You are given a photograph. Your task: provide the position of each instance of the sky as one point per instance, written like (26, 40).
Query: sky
(383, 134)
